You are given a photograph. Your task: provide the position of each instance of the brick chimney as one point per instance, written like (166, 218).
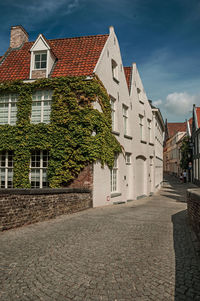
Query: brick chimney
(18, 36)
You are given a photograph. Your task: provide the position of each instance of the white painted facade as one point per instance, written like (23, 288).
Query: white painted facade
(134, 174)
(158, 140)
(134, 127)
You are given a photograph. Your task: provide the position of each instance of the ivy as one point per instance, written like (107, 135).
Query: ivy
(76, 136)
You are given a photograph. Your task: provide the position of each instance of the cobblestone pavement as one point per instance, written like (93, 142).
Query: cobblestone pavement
(137, 251)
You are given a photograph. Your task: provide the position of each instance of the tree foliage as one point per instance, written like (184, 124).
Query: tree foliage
(77, 133)
(185, 153)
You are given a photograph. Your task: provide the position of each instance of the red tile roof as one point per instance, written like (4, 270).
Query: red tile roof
(75, 57)
(175, 127)
(128, 75)
(198, 115)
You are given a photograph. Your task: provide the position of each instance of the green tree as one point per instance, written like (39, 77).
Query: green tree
(185, 153)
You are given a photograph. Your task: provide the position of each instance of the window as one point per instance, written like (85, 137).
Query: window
(113, 174)
(41, 106)
(125, 119)
(40, 60)
(141, 127)
(115, 70)
(8, 109)
(149, 129)
(113, 113)
(39, 163)
(128, 158)
(6, 169)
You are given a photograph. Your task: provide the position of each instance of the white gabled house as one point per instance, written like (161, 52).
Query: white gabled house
(137, 125)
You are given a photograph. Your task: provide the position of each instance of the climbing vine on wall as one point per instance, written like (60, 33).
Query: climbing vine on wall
(77, 133)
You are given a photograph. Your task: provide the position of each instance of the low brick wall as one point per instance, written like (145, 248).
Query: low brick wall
(19, 207)
(193, 207)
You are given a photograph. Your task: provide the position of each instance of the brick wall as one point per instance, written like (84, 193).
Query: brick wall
(18, 36)
(19, 207)
(84, 179)
(193, 207)
(38, 74)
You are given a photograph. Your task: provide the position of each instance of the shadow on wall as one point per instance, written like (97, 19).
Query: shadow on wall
(187, 281)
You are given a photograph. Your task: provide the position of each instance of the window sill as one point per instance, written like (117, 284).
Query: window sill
(39, 69)
(115, 194)
(128, 137)
(116, 80)
(115, 133)
(150, 143)
(142, 141)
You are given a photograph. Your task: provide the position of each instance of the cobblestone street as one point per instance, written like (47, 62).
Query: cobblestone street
(137, 251)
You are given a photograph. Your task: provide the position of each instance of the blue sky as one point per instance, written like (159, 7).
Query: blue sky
(162, 37)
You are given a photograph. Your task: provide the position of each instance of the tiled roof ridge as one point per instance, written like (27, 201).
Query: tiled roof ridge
(50, 40)
(89, 36)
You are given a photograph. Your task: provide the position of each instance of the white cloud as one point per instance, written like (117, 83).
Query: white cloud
(157, 103)
(44, 9)
(180, 103)
(177, 106)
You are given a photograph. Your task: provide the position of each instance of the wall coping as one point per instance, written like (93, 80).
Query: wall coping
(194, 192)
(42, 191)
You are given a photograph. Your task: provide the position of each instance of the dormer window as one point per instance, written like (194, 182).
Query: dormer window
(40, 60)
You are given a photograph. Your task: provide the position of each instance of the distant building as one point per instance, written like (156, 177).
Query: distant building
(196, 144)
(174, 134)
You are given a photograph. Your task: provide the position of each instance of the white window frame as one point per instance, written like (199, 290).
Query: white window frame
(128, 158)
(40, 53)
(7, 167)
(42, 100)
(41, 167)
(125, 119)
(9, 100)
(114, 177)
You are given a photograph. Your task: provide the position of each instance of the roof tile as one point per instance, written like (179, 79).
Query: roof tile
(75, 57)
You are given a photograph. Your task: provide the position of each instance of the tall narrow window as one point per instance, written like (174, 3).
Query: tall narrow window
(125, 119)
(141, 119)
(8, 109)
(113, 113)
(41, 106)
(115, 70)
(40, 60)
(39, 164)
(113, 174)
(6, 169)
(128, 158)
(149, 129)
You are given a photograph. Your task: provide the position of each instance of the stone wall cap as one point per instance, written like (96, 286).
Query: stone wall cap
(41, 191)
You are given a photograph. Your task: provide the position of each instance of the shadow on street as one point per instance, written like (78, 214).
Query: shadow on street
(187, 264)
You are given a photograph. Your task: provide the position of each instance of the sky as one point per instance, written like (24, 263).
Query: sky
(161, 37)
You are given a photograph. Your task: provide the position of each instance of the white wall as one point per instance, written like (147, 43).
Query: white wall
(119, 92)
(138, 178)
(142, 146)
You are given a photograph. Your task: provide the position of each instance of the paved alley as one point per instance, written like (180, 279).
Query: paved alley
(137, 251)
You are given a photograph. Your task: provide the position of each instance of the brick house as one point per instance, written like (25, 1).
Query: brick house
(133, 118)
